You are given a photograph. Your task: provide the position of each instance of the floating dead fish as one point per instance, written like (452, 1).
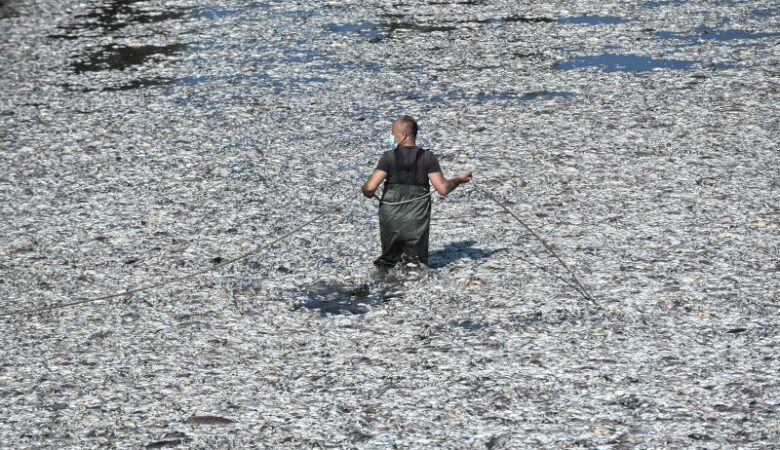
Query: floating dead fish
(639, 139)
(165, 443)
(497, 442)
(210, 420)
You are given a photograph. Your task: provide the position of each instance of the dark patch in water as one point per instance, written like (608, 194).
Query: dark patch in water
(629, 401)
(592, 20)
(769, 12)
(624, 63)
(392, 27)
(328, 299)
(553, 319)
(715, 35)
(400, 96)
(464, 3)
(546, 94)
(656, 4)
(166, 443)
(468, 325)
(495, 96)
(515, 19)
(6, 12)
(115, 15)
(116, 57)
(395, 23)
(141, 83)
(506, 96)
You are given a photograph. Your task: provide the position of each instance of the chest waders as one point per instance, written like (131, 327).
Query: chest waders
(404, 229)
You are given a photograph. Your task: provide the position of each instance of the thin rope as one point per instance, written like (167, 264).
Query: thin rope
(82, 300)
(382, 202)
(581, 288)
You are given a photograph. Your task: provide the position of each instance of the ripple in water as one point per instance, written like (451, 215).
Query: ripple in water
(609, 62)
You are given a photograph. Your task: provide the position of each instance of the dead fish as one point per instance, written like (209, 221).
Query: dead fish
(164, 443)
(476, 282)
(209, 420)
(497, 441)
(737, 330)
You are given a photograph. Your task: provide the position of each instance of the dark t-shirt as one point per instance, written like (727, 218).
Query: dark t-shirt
(408, 165)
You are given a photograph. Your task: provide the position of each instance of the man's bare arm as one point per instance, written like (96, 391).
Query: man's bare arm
(373, 182)
(444, 186)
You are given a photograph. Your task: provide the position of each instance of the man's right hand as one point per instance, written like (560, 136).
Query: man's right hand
(444, 186)
(465, 177)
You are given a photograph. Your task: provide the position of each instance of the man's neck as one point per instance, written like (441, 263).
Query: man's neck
(407, 143)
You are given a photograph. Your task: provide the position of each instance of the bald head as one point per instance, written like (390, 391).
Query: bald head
(405, 130)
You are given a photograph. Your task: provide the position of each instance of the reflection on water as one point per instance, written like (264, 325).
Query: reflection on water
(624, 63)
(592, 20)
(118, 57)
(715, 35)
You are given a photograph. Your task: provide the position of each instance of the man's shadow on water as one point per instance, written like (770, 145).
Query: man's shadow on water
(459, 250)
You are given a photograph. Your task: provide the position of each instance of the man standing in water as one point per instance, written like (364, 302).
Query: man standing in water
(405, 208)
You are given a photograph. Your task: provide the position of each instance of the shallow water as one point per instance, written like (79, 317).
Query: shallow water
(625, 63)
